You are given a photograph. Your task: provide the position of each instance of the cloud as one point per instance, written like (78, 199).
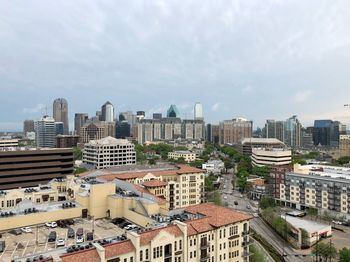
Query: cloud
(215, 107)
(36, 109)
(302, 96)
(247, 90)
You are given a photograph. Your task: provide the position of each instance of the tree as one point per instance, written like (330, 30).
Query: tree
(242, 183)
(77, 153)
(217, 198)
(80, 170)
(325, 250)
(257, 256)
(151, 161)
(344, 255)
(266, 202)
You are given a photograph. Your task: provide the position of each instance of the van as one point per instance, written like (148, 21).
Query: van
(80, 232)
(2, 246)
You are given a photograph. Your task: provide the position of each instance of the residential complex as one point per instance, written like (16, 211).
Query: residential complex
(271, 157)
(21, 167)
(188, 156)
(109, 152)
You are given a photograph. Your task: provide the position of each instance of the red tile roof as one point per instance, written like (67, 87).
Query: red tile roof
(148, 236)
(154, 183)
(120, 248)
(215, 216)
(178, 170)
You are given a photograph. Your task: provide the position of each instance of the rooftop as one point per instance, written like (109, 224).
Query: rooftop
(254, 140)
(109, 141)
(309, 226)
(154, 183)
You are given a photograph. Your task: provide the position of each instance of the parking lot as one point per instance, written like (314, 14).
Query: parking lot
(35, 242)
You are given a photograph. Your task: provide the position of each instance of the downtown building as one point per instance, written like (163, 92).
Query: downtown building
(60, 113)
(45, 132)
(109, 152)
(96, 130)
(326, 133)
(233, 131)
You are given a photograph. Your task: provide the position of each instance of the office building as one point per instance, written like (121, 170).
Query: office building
(60, 113)
(67, 141)
(109, 152)
(107, 112)
(4, 143)
(193, 129)
(274, 129)
(188, 156)
(213, 133)
(198, 111)
(31, 167)
(247, 144)
(173, 112)
(45, 132)
(344, 147)
(326, 133)
(28, 126)
(129, 117)
(157, 116)
(214, 166)
(122, 130)
(79, 120)
(96, 130)
(271, 157)
(59, 128)
(292, 132)
(235, 130)
(307, 138)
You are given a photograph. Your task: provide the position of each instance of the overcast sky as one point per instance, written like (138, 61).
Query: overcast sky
(254, 59)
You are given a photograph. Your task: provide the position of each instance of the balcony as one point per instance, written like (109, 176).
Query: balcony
(205, 258)
(247, 243)
(204, 245)
(167, 255)
(245, 233)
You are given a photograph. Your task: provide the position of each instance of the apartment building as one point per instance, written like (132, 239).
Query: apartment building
(271, 157)
(235, 130)
(188, 156)
(109, 152)
(207, 233)
(317, 186)
(21, 167)
(184, 184)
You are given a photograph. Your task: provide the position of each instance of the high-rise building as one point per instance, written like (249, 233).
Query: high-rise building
(235, 130)
(122, 129)
(326, 133)
(140, 115)
(292, 132)
(96, 130)
(107, 112)
(59, 128)
(28, 126)
(198, 111)
(157, 116)
(79, 120)
(60, 113)
(45, 132)
(274, 129)
(173, 112)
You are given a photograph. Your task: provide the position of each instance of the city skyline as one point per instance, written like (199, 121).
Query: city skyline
(253, 60)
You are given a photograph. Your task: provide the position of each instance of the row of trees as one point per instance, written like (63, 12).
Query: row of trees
(328, 252)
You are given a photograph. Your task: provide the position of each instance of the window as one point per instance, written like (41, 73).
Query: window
(141, 255)
(180, 244)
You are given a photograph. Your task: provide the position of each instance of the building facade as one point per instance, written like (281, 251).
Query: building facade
(107, 112)
(234, 131)
(60, 113)
(25, 168)
(79, 120)
(188, 156)
(247, 144)
(5, 143)
(326, 133)
(271, 157)
(66, 141)
(198, 111)
(28, 126)
(96, 130)
(109, 152)
(45, 132)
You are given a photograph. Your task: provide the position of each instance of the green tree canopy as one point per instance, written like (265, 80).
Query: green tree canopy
(344, 255)
(325, 250)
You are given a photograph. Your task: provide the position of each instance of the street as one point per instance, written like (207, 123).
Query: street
(235, 200)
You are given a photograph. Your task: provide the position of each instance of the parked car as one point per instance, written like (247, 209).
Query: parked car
(16, 231)
(2, 246)
(337, 222)
(79, 239)
(52, 236)
(80, 232)
(60, 242)
(118, 220)
(130, 227)
(61, 223)
(70, 222)
(235, 202)
(89, 236)
(70, 233)
(124, 224)
(26, 230)
(51, 224)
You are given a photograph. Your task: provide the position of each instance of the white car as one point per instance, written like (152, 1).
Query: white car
(130, 227)
(26, 230)
(51, 224)
(60, 242)
(337, 222)
(80, 239)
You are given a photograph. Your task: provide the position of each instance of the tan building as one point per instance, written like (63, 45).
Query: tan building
(271, 157)
(96, 131)
(109, 152)
(8, 143)
(235, 130)
(185, 184)
(344, 147)
(188, 156)
(210, 233)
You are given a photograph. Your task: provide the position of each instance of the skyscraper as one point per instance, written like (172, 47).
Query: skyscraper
(157, 116)
(79, 120)
(107, 112)
(235, 130)
(45, 132)
(198, 111)
(173, 112)
(59, 128)
(28, 126)
(326, 132)
(60, 113)
(292, 132)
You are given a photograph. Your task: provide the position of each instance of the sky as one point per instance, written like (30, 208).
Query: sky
(255, 59)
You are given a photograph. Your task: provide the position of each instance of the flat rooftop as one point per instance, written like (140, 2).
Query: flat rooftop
(309, 226)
